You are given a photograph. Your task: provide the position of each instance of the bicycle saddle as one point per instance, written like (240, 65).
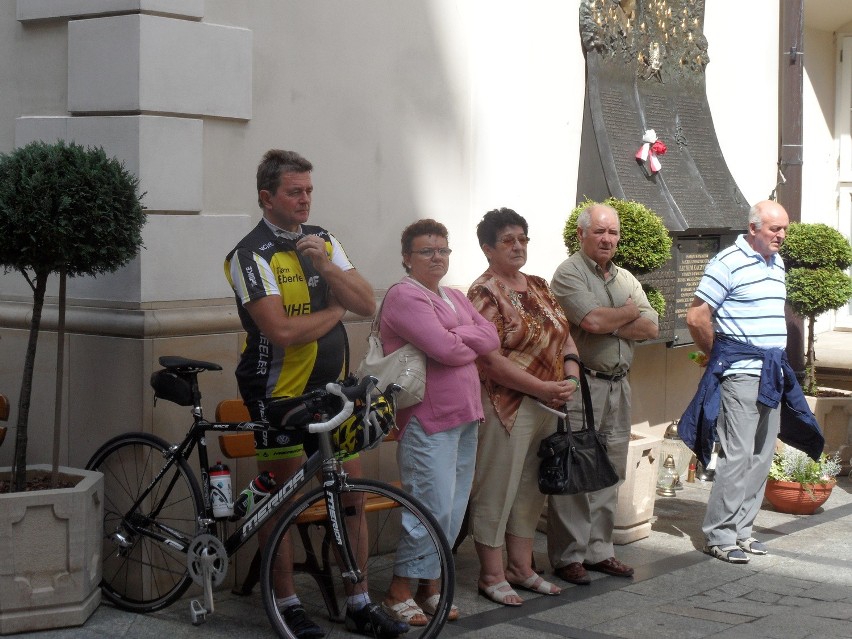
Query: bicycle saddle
(182, 364)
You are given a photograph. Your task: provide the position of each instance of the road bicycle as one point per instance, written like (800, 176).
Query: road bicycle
(160, 533)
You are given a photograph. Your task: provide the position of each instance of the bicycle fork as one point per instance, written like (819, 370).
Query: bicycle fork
(340, 514)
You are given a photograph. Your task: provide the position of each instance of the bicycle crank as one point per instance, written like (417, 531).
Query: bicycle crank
(207, 561)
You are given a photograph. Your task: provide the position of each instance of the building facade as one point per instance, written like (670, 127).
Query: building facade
(407, 108)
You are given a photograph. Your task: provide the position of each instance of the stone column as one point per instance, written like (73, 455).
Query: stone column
(143, 78)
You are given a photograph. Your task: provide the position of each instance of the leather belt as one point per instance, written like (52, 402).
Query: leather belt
(617, 377)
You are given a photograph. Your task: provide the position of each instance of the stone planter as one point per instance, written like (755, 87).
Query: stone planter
(834, 415)
(637, 494)
(50, 554)
(797, 499)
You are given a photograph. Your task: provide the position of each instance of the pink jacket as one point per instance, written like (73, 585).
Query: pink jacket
(451, 339)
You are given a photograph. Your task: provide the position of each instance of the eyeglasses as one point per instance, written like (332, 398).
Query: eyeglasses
(509, 241)
(429, 253)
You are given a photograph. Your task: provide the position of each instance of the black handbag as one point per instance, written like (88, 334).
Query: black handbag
(575, 462)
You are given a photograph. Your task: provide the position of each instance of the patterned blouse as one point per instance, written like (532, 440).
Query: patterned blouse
(532, 330)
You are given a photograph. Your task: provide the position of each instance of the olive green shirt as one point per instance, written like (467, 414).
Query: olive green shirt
(580, 288)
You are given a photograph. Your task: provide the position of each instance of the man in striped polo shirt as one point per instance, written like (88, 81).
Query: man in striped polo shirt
(740, 300)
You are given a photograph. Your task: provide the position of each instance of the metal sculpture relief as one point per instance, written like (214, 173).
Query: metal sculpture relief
(645, 82)
(666, 39)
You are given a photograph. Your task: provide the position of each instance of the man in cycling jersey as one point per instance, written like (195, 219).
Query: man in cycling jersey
(293, 283)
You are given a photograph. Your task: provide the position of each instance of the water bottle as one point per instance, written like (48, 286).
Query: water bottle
(221, 497)
(254, 495)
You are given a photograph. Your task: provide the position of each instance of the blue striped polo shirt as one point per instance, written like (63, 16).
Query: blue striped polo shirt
(747, 297)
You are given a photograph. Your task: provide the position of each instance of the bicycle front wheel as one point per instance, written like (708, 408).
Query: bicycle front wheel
(299, 557)
(143, 567)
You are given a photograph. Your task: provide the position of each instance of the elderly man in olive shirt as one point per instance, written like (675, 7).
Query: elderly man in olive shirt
(609, 313)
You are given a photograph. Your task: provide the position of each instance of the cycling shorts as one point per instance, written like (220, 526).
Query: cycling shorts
(272, 444)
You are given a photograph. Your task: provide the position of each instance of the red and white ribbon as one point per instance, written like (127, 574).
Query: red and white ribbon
(650, 149)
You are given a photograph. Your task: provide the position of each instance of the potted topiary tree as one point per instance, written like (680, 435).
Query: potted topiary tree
(66, 210)
(645, 243)
(816, 257)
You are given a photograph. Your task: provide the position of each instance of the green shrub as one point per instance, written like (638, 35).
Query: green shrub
(645, 242)
(813, 291)
(656, 299)
(815, 256)
(815, 246)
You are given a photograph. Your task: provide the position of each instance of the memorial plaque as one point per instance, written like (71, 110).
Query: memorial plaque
(645, 62)
(691, 256)
(664, 279)
(615, 115)
(680, 179)
(729, 204)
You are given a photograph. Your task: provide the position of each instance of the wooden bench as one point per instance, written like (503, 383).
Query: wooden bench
(318, 563)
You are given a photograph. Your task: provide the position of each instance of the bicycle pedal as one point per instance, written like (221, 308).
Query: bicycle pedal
(198, 612)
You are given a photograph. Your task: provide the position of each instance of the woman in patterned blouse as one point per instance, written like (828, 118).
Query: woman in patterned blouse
(536, 364)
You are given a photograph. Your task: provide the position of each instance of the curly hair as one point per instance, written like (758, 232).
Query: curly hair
(427, 226)
(496, 220)
(275, 162)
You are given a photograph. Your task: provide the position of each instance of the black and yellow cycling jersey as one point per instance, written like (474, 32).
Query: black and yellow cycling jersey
(267, 263)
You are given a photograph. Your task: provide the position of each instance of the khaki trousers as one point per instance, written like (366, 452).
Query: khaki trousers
(505, 496)
(579, 527)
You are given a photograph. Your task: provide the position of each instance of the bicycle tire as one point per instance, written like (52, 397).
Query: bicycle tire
(384, 535)
(141, 573)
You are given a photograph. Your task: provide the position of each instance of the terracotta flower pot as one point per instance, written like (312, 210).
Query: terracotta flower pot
(795, 498)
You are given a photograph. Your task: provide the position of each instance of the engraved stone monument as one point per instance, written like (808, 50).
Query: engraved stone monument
(645, 62)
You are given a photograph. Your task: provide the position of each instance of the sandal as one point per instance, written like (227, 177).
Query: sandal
(407, 612)
(732, 554)
(430, 604)
(753, 546)
(534, 583)
(498, 593)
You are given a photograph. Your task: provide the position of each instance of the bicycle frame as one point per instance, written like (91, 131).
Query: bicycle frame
(333, 481)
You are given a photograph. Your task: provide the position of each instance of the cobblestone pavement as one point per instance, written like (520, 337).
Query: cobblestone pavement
(803, 588)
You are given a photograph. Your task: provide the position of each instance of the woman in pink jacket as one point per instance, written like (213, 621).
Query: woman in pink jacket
(438, 436)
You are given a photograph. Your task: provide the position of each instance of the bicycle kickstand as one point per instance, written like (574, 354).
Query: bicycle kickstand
(199, 613)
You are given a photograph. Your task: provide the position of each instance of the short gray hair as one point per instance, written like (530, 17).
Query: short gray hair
(584, 220)
(755, 216)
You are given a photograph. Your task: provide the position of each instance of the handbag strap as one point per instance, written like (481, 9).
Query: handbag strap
(588, 411)
(376, 325)
(563, 424)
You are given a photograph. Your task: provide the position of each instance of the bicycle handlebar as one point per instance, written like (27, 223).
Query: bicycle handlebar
(364, 386)
(348, 395)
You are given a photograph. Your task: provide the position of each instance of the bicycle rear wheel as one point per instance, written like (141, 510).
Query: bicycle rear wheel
(143, 570)
(314, 574)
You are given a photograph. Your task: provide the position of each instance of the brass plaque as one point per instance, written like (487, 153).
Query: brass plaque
(691, 257)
